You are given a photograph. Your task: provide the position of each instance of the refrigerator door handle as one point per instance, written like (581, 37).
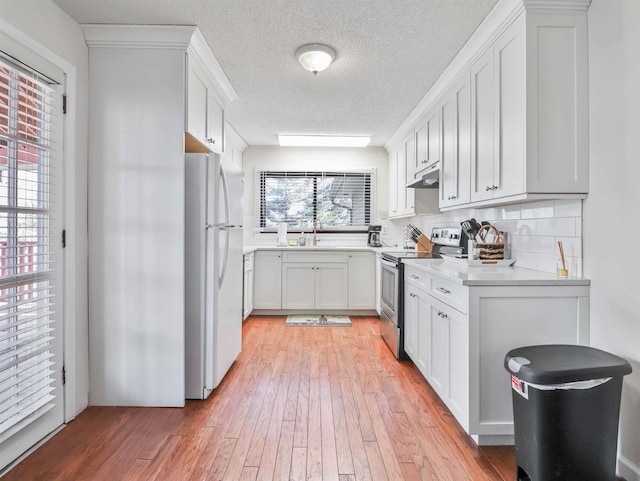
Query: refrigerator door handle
(223, 181)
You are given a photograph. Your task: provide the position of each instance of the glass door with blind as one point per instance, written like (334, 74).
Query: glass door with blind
(31, 396)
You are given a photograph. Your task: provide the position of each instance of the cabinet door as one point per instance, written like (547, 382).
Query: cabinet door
(411, 321)
(448, 162)
(267, 293)
(393, 184)
(455, 164)
(510, 104)
(298, 285)
(409, 162)
(421, 148)
(459, 366)
(205, 116)
(438, 364)
(197, 103)
(482, 128)
(402, 175)
(247, 291)
(215, 125)
(331, 286)
(362, 280)
(424, 336)
(433, 136)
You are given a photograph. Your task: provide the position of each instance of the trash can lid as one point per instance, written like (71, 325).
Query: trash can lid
(559, 363)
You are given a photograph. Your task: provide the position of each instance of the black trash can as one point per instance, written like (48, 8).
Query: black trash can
(566, 404)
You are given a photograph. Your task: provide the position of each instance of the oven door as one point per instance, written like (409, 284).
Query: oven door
(390, 304)
(389, 290)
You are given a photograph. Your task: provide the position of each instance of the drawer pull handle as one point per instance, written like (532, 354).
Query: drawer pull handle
(442, 289)
(412, 276)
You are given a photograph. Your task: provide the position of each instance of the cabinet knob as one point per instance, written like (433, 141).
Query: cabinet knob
(488, 188)
(211, 140)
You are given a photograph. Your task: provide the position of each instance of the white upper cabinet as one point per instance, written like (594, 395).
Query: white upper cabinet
(456, 145)
(523, 99)
(427, 142)
(482, 128)
(405, 202)
(207, 93)
(498, 118)
(204, 116)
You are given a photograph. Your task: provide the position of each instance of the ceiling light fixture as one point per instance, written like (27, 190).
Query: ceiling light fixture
(323, 141)
(315, 57)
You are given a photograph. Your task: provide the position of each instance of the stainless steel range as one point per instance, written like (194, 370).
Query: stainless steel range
(448, 240)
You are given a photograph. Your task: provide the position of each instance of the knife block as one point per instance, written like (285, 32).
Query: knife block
(424, 244)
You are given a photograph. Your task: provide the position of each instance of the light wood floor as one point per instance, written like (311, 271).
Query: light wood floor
(300, 403)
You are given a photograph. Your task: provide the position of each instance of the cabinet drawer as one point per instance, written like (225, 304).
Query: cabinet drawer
(450, 293)
(417, 277)
(315, 257)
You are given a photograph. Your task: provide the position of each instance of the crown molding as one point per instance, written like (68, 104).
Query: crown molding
(200, 52)
(187, 38)
(147, 36)
(555, 5)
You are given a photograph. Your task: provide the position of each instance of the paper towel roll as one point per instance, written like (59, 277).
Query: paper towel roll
(282, 234)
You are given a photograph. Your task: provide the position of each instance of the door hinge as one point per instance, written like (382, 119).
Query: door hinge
(64, 375)
(64, 104)
(64, 238)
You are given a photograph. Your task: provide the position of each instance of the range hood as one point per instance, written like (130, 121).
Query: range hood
(429, 180)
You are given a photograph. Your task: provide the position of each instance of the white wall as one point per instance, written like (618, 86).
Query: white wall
(46, 29)
(313, 158)
(612, 261)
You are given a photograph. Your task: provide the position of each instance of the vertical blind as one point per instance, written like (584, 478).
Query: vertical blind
(334, 201)
(28, 112)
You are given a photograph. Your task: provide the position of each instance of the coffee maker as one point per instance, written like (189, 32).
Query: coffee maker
(373, 236)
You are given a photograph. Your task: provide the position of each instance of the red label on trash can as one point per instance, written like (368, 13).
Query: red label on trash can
(520, 387)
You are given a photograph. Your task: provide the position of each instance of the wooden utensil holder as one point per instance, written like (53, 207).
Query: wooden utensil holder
(493, 250)
(424, 244)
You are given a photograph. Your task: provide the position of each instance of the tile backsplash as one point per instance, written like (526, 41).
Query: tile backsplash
(533, 228)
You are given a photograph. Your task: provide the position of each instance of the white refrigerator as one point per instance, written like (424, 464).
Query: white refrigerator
(214, 194)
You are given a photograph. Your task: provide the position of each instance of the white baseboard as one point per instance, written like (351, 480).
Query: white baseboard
(627, 470)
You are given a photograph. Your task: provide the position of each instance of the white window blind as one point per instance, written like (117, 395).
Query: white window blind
(334, 201)
(27, 128)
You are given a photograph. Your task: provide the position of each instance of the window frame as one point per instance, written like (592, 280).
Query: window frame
(262, 173)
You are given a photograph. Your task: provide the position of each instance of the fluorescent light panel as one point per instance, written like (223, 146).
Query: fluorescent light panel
(322, 141)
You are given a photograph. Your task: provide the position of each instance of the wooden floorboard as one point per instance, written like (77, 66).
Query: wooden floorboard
(299, 404)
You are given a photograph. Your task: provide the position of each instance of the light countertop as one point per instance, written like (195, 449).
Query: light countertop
(492, 275)
(353, 248)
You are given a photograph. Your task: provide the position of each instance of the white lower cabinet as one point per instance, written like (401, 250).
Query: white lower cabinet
(416, 325)
(315, 280)
(362, 280)
(247, 291)
(458, 336)
(331, 286)
(447, 354)
(301, 279)
(267, 284)
(314, 286)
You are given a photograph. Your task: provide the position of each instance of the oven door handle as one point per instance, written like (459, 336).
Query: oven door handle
(387, 263)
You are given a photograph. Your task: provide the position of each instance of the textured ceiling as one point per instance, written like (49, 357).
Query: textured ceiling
(388, 54)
